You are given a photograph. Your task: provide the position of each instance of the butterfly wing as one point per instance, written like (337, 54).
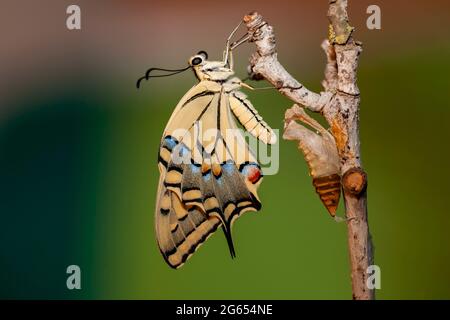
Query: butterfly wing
(180, 230)
(215, 181)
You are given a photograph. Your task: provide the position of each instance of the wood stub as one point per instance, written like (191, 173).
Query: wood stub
(329, 190)
(354, 181)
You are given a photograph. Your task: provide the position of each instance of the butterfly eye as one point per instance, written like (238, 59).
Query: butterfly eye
(196, 61)
(203, 53)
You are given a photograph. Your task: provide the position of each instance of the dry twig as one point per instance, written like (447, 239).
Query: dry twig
(339, 104)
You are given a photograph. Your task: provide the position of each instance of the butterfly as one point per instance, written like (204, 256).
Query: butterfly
(208, 174)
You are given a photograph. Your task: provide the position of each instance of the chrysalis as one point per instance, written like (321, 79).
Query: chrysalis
(208, 174)
(319, 149)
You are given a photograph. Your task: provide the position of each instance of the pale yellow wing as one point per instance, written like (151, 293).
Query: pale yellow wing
(214, 183)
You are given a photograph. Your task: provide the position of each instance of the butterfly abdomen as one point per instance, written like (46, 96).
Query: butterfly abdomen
(250, 119)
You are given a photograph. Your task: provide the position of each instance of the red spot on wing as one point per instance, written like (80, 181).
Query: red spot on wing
(253, 175)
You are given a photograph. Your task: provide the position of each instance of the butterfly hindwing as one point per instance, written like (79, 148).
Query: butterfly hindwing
(180, 230)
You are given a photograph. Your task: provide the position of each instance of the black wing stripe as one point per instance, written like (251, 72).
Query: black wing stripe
(198, 95)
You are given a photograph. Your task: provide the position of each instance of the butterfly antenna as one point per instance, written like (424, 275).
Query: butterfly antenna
(148, 76)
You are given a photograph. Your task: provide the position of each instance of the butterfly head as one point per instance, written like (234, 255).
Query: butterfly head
(209, 70)
(203, 70)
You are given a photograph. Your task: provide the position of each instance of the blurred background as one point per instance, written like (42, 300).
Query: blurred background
(79, 143)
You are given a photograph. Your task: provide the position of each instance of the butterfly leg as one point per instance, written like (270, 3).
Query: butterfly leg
(243, 84)
(237, 43)
(234, 45)
(227, 47)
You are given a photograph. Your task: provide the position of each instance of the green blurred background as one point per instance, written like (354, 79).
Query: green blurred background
(78, 149)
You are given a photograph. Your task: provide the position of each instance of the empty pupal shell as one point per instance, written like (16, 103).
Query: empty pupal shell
(319, 149)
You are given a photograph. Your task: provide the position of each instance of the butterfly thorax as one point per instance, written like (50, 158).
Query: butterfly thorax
(213, 70)
(219, 72)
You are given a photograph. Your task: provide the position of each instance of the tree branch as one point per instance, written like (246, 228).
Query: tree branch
(339, 104)
(264, 62)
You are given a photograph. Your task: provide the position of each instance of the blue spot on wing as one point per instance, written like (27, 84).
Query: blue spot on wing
(170, 142)
(228, 167)
(195, 169)
(184, 151)
(207, 176)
